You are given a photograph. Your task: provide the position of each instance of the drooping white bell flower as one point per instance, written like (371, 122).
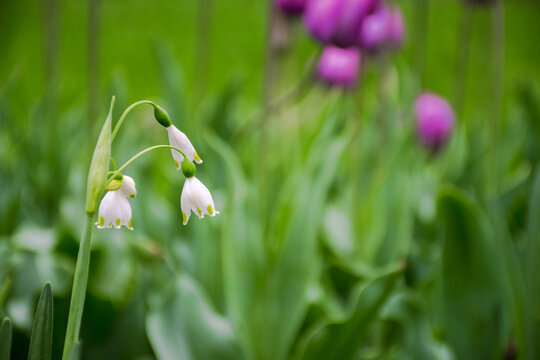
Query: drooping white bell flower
(115, 209)
(180, 140)
(197, 198)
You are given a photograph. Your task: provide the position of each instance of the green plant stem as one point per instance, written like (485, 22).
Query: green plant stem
(498, 73)
(80, 279)
(123, 117)
(203, 45)
(463, 49)
(421, 35)
(270, 71)
(140, 153)
(92, 61)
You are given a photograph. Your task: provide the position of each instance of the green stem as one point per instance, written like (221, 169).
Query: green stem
(78, 292)
(122, 118)
(421, 35)
(140, 153)
(463, 48)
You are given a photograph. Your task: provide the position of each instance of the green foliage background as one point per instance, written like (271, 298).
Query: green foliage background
(338, 238)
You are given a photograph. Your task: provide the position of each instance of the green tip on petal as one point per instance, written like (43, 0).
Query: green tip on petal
(132, 195)
(184, 218)
(176, 163)
(101, 221)
(130, 224)
(114, 185)
(199, 212)
(117, 222)
(210, 210)
(196, 157)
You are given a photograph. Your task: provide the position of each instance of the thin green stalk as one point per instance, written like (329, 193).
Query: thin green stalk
(267, 93)
(123, 117)
(421, 35)
(463, 49)
(92, 61)
(498, 73)
(140, 153)
(203, 46)
(78, 292)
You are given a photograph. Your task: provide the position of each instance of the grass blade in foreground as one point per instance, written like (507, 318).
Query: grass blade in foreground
(5, 338)
(40, 342)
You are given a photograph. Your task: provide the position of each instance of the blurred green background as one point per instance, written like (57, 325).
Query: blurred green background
(337, 238)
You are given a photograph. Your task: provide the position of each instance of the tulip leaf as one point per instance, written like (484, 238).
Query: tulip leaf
(470, 277)
(341, 339)
(41, 339)
(184, 325)
(5, 338)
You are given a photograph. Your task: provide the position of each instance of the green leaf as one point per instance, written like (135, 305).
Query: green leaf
(471, 271)
(185, 326)
(341, 339)
(97, 175)
(5, 338)
(41, 339)
(531, 270)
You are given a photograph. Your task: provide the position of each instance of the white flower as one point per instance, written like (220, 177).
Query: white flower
(115, 209)
(196, 197)
(180, 140)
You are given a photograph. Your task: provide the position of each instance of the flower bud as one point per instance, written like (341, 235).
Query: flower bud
(435, 120)
(337, 21)
(161, 116)
(291, 7)
(375, 30)
(97, 174)
(188, 169)
(339, 66)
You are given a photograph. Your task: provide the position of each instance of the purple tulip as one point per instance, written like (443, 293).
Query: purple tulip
(291, 7)
(435, 120)
(375, 30)
(339, 66)
(321, 18)
(396, 35)
(383, 28)
(337, 21)
(352, 14)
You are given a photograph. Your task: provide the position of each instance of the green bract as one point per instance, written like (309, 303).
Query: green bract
(188, 169)
(99, 166)
(161, 116)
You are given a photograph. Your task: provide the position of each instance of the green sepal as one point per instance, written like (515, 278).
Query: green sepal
(97, 175)
(161, 116)
(41, 339)
(5, 338)
(114, 185)
(188, 169)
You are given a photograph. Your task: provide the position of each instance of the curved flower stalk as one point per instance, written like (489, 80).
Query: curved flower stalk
(115, 208)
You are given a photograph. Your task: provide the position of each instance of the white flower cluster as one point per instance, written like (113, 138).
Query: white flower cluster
(115, 209)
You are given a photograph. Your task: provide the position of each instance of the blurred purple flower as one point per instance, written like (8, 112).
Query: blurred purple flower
(337, 21)
(291, 7)
(339, 66)
(435, 120)
(383, 28)
(375, 29)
